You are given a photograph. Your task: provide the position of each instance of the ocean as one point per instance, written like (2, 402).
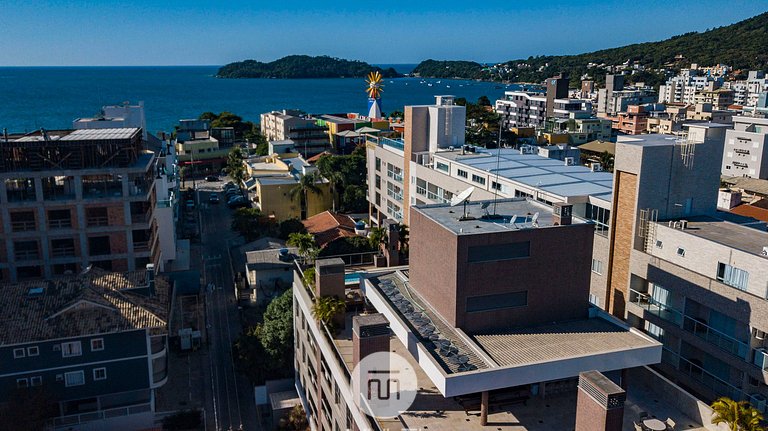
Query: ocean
(51, 97)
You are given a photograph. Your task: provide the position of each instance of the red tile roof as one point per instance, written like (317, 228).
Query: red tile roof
(328, 227)
(312, 160)
(756, 210)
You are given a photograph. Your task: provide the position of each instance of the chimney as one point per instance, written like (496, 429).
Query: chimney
(391, 250)
(370, 334)
(562, 213)
(599, 403)
(329, 281)
(151, 279)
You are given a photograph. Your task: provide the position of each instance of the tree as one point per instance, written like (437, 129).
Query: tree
(328, 166)
(309, 277)
(277, 329)
(247, 222)
(376, 237)
(347, 245)
(296, 420)
(326, 308)
(235, 167)
(403, 234)
(300, 192)
(397, 114)
(290, 226)
(483, 101)
(28, 409)
(737, 415)
(305, 242)
(606, 160)
(354, 199)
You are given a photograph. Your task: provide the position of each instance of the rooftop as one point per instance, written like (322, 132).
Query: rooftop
(270, 259)
(543, 173)
(94, 303)
(328, 226)
(511, 214)
(745, 238)
(80, 135)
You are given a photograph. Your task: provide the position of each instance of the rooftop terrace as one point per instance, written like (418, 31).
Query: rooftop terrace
(740, 237)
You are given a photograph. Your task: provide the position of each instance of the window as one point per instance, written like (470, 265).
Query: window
(496, 302)
(732, 276)
(681, 252)
(441, 166)
(99, 374)
(22, 383)
(378, 182)
(496, 252)
(478, 179)
(74, 378)
(18, 353)
(597, 266)
(36, 381)
(655, 331)
(378, 164)
(97, 344)
(462, 173)
(496, 186)
(33, 351)
(594, 299)
(73, 348)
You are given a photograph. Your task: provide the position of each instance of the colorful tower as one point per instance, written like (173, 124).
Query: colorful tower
(374, 94)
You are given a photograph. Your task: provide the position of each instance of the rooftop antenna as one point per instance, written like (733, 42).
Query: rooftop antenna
(498, 159)
(462, 198)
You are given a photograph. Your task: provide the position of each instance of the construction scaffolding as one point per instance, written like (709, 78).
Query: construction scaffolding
(70, 149)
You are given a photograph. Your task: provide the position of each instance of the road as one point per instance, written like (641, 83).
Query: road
(229, 395)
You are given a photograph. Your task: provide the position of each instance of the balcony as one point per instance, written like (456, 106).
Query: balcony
(713, 336)
(97, 221)
(437, 198)
(23, 226)
(646, 302)
(26, 255)
(64, 223)
(63, 251)
(141, 246)
(395, 176)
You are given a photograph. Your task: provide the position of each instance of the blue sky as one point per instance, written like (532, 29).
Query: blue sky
(173, 32)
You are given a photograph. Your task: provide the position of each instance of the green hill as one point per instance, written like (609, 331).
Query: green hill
(301, 66)
(743, 45)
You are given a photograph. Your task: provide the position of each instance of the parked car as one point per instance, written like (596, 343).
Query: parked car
(213, 198)
(211, 178)
(238, 202)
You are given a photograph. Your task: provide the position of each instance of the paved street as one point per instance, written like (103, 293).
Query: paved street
(229, 395)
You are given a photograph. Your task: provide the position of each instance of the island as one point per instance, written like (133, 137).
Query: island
(302, 66)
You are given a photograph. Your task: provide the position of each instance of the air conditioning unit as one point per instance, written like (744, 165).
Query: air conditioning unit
(758, 334)
(569, 161)
(761, 358)
(596, 167)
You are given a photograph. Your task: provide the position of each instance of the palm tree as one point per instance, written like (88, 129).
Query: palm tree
(376, 237)
(235, 166)
(606, 160)
(300, 192)
(305, 242)
(334, 176)
(737, 415)
(325, 308)
(403, 238)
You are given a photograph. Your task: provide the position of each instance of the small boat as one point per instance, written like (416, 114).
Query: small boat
(430, 84)
(447, 86)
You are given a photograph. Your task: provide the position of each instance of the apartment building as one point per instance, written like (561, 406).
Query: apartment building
(615, 98)
(531, 109)
(684, 87)
(746, 153)
(720, 99)
(304, 134)
(691, 277)
(632, 122)
(74, 198)
(96, 344)
(486, 324)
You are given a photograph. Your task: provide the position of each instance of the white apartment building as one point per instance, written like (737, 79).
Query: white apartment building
(116, 116)
(683, 87)
(529, 109)
(745, 153)
(290, 129)
(617, 101)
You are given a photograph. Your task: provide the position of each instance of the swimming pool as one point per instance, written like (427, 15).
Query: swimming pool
(352, 277)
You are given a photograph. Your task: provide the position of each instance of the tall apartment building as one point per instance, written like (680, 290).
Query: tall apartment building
(531, 109)
(486, 323)
(95, 344)
(556, 88)
(116, 117)
(74, 198)
(746, 148)
(747, 92)
(682, 272)
(605, 95)
(306, 136)
(684, 87)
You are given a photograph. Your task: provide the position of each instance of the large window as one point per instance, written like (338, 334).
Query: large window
(441, 166)
(496, 252)
(462, 173)
(26, 250)
(72, 348)
(23, 221)
(496, 302)
(597, 266)
(478, 179)
(98, 245)
(600, 216)
(59, 219)
(74, 378)
(732, 276)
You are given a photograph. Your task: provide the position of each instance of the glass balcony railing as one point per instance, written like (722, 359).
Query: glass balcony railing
(395, 176)
(645, 301)
(713, 336)
(437, 198)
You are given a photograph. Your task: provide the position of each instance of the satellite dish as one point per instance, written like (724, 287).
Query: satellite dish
(462, 197)
(485, 205)
(534, 219)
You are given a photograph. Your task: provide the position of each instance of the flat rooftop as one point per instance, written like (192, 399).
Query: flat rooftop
(740, 237)
(546, 174)
(80, 135)
(510, 214)
(94, 303)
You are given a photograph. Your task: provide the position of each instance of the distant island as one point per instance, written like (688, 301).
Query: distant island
(740, 45)
(302, 66)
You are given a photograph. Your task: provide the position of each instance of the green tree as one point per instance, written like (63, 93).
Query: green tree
(290, 226)
(483, 101)
(326, 308)
(235, 167)
(309, 277)
(737, 415)
(277, 329)
(329, 168)
(377, 237)
(305, 242)
(296, 420)
(354, 199)
(403, 234)
(606, 160)
(300, 192)
(347, 245)
(397, 114)
(247, 222)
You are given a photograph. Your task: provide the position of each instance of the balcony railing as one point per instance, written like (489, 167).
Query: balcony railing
(141, 246)
(437, 198)
(395, 176)
(23, 226)
(713, 336)
(26, 255)
(63, 223)
(645, 301)
(97, 221)
(63, 251)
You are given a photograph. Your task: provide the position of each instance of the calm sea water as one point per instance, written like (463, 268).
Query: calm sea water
(51, 97)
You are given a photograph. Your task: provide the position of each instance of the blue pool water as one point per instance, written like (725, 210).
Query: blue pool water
(352, 278)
